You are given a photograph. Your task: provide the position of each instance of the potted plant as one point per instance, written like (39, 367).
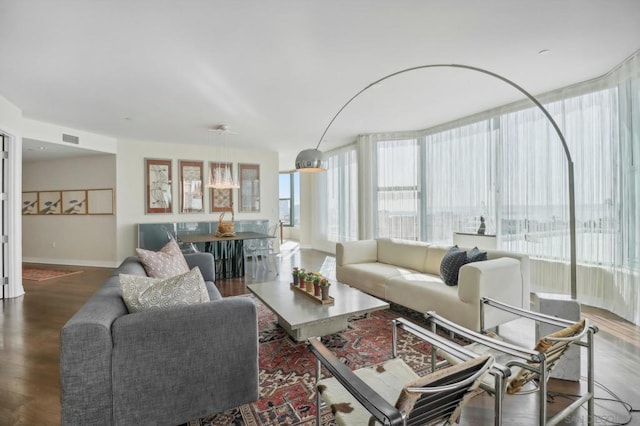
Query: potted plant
(324, 288)
(316, 284)
(302, 278)
(296, 272)
(309, 283)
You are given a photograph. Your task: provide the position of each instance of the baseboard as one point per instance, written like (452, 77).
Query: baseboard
(72, 262)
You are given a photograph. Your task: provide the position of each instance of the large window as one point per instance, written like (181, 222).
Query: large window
(397, 197)
(289, 205)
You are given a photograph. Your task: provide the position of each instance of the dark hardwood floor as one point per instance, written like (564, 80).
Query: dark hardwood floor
(29, 351)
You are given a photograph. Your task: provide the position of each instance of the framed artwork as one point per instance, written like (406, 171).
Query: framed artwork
(249, 192)
(158, 188)
(221, 199)
(74, 202)
(29, 203)
(191, 187)
(49, 202)
(100, 201)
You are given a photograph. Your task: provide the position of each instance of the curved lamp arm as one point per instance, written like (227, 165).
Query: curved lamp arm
(312, 158)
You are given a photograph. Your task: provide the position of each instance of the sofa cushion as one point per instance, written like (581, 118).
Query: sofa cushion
(363, 251)
(144, 293)
(403, 253)
(451, 264)
(434, 259)
(370, 277)
(422, 293)
(164, 263)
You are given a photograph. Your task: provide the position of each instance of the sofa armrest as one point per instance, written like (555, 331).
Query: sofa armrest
(362, 251)
(185, 362)
(498, 279)
(205, 262)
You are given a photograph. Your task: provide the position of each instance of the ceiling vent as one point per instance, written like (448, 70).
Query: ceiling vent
(70, 139)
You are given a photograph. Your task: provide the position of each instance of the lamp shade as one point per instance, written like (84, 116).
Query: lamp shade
(310, 160)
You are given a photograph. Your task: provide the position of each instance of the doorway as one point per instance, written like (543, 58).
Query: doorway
(4, 200)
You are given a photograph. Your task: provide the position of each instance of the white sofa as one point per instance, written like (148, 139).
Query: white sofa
(408, 273)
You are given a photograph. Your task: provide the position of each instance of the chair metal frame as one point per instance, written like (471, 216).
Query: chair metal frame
(532, 360)
(382, 410)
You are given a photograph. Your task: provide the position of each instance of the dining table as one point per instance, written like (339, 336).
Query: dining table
(227, 250)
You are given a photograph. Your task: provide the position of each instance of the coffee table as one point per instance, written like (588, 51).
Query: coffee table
(304, 318)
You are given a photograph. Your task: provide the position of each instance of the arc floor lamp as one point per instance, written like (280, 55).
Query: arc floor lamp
(311, 160)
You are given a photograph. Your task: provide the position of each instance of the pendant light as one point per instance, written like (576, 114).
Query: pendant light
(221, 174)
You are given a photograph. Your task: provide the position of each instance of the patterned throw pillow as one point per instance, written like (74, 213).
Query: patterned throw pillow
(475, 255)
(143, 293)
(164, 263)
(451, 263)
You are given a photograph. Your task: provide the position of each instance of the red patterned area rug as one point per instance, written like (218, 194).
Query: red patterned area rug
(41, 274)
(287, 368)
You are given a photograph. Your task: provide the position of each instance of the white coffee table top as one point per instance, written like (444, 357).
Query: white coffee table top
(298, 310)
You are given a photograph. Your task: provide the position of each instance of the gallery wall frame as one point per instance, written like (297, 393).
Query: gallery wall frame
(49, 202)
(158, 186)
(249, 192)
(100, 201)
(74, 202)
(221, 198)
(191, 186)
(30, 203)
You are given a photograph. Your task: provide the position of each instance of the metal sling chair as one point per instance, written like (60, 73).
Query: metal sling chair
(529, 365)
(391, 393)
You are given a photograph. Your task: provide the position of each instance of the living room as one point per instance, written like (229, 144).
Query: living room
(275, 75)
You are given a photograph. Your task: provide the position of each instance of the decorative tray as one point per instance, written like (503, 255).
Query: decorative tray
(318, 299)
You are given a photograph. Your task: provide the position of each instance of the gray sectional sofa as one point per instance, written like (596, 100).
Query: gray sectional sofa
(157, 367)
(408, 273)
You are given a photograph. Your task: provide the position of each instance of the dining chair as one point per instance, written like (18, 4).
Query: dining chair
(184, 247)
(257, 250)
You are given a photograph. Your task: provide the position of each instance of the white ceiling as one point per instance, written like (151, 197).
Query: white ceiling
(277, 71)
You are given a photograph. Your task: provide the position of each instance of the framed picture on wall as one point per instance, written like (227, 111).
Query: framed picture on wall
(49, 202)
(249, 192)
(74, 202)
(158, 186)
(221, 198)
(100, 201)
(29, 203)
(191, 187)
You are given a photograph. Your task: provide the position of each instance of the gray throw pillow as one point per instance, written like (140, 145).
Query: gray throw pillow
(475, 255)
(451, 263)
(143, 293)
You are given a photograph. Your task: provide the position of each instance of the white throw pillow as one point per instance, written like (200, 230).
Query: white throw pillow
(143, 293)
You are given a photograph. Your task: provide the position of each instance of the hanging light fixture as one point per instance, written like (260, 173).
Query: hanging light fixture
(221, 173)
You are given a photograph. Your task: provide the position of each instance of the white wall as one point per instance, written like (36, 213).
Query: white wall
(130, 197)
(52, 133)
(11, 125)
(87, 240)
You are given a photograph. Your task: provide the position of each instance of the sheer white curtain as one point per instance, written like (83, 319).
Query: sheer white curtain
(342, 195)
(601, 129)
(335, 215)
(460, 181)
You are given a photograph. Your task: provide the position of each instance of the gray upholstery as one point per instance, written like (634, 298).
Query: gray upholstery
(157, 367)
